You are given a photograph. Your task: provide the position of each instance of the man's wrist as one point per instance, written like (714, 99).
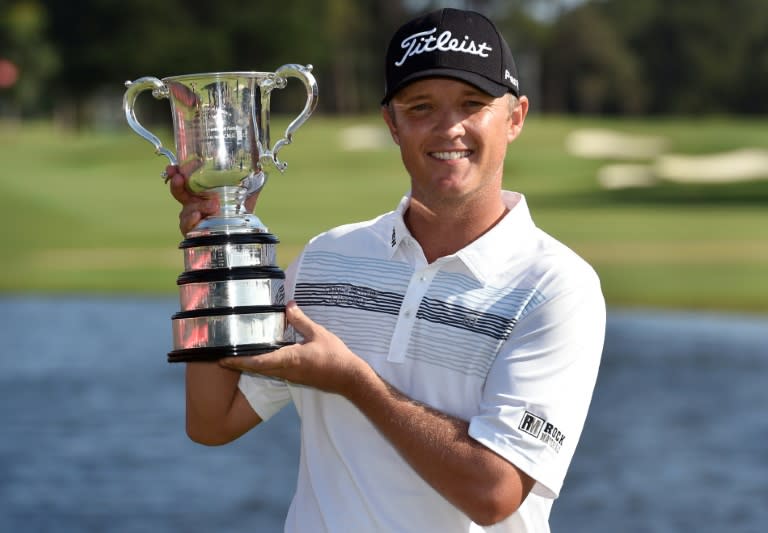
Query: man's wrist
(362, 383)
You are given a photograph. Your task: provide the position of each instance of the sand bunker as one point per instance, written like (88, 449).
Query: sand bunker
(607, 144)
(746, 164)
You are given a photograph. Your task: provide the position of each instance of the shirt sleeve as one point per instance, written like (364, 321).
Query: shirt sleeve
(540, 385)
(290, 277)
(265, 395)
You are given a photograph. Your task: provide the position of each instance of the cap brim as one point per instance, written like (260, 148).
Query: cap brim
(481, 82)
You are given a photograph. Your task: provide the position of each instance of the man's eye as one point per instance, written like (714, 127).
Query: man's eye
(420, 107)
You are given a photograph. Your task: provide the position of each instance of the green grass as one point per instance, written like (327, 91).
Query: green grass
(89, 212)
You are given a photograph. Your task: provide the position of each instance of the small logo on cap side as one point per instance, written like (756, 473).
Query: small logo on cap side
(425, 41)
(511, 78)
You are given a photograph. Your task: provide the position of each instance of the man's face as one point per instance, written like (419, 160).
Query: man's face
(453, 138)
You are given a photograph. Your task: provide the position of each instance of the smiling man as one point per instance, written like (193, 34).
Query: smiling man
(453, 138)
(449, 347)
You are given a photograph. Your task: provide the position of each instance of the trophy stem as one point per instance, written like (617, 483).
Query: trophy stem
(232, 217)
(231, 201)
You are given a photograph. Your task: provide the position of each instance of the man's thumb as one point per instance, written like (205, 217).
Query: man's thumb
(296, 318)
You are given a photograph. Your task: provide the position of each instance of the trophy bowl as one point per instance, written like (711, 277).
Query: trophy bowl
(231, 295)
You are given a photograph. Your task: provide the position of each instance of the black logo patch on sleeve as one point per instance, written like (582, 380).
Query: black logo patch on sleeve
(531, 424)
(541, 429)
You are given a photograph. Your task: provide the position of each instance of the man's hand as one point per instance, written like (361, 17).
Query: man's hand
(321, 361)
(195, 207)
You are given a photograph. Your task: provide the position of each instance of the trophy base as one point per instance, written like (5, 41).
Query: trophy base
(210, 334)
(192, 355)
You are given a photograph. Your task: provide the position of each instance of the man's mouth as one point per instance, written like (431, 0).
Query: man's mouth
(449, 156)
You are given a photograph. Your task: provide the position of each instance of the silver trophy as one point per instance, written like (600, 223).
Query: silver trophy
(231, 291)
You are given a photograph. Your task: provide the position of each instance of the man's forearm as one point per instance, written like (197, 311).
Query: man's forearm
(476, 480)
(438, 447)
(210, 393)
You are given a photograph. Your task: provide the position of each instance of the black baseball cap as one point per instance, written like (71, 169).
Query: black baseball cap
(451, 43)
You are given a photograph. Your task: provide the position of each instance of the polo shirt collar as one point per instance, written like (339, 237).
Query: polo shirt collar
(484, 257)
(397, 228)
(510, 238)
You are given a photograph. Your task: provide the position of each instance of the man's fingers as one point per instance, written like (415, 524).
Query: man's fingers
(300, 322)
(195, 207)
(188, 218)
(178, 187)
(178, 176)
(189, 167)
(171, 170)
(268, 363)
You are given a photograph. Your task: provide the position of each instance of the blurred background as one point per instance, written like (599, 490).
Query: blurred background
(646, 151)
(64, 59)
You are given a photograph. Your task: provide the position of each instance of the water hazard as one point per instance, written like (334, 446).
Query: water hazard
(93, 429)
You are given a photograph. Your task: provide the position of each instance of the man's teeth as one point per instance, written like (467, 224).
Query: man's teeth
(451, 155)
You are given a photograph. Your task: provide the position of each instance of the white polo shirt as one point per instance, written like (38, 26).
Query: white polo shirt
(505, 334)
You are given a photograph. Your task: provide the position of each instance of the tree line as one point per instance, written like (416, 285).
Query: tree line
(588, 57)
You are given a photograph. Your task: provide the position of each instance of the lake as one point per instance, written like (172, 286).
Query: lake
(93, 438)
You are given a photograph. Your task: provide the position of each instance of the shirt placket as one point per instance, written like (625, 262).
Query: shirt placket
(417, 289)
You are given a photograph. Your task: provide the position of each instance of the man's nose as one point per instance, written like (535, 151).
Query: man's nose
(450, 123)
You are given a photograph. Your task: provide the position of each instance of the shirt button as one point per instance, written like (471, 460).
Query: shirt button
(407, 313)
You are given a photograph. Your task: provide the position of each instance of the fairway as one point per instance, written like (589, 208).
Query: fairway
(88, 212)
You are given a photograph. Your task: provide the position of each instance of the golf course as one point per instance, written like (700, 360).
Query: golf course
(87, 212)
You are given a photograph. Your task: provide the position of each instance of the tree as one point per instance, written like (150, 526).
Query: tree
(23, 42)
(588, 68)
(697, 55)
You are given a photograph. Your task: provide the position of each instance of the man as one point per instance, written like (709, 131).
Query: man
(449, 348)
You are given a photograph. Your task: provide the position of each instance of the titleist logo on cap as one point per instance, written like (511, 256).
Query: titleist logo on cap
(425, 41)
(454, 44)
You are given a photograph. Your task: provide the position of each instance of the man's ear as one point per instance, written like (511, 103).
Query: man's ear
(386, 114)
(517, 118)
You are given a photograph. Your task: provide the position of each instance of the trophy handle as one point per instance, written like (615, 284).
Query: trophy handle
(159, 91)
(304, 74)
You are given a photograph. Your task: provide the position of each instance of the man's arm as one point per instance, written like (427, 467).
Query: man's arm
(486, 487)
(217, 412)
